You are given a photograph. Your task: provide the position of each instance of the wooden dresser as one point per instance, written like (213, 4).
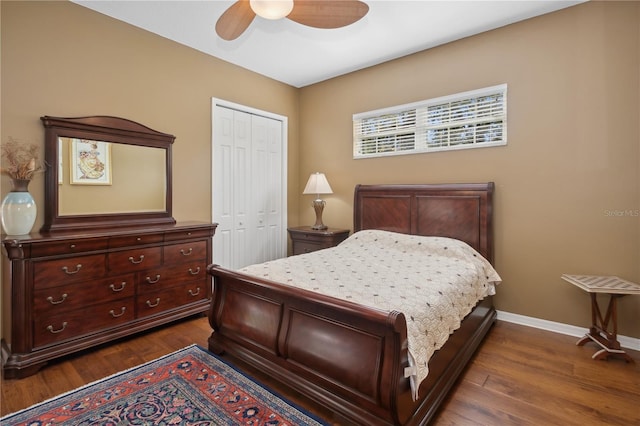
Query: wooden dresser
(68, 291)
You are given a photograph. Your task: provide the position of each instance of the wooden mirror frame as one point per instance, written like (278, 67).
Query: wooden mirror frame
(108, 129)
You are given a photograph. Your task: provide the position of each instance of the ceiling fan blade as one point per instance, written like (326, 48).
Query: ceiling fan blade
(235, 20)
(327, 13)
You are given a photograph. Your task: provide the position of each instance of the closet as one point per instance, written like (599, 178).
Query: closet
(249, 185)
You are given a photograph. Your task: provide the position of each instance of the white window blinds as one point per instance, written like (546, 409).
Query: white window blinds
(465, 120)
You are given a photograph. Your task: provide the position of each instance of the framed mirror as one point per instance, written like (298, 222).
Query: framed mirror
(105, 171)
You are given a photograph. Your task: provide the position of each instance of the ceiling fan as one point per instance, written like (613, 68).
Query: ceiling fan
(312, 13)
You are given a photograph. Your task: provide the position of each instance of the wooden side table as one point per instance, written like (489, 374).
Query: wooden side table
(599, 332)
(306, 240)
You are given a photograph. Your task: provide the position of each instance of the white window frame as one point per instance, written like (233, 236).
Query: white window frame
(473, 119)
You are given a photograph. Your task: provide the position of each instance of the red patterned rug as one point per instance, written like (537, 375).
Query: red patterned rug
(188, 387)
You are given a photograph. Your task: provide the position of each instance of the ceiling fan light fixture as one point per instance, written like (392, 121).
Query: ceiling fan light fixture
(272, 9)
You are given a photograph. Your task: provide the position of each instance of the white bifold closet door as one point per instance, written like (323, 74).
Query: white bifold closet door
(247, 188)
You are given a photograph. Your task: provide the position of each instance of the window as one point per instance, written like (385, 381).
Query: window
(465, 120)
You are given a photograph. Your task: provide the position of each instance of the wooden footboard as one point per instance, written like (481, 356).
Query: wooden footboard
(343, 355)
(348, 357)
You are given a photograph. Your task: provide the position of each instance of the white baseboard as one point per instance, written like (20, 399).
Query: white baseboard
(557, 327)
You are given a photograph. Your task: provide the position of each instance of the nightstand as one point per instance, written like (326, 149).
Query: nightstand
(306, 240)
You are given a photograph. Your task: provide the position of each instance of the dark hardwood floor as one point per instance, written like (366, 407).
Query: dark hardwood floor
(520, 376)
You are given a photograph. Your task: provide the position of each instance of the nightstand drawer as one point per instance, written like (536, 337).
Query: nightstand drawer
(306, 240)
(307, 247)
(312, 237)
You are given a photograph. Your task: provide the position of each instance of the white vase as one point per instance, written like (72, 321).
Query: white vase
(18, 209)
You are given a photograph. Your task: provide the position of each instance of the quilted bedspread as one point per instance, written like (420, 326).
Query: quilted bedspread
(434, 281)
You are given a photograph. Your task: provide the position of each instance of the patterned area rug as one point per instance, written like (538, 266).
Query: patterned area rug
(188, 387)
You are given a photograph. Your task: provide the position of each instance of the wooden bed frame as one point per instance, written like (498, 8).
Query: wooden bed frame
(348, 357)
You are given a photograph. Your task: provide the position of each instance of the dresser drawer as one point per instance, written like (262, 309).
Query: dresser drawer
(169, 276)
(76, 323)
(121, 262)
(52, 248)
(64, 298)
(176, 296)
(52, 273)
(188, 234)
(185, 252)
(134, 240)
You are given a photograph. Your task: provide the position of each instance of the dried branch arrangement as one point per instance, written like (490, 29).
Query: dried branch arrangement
(22, 160)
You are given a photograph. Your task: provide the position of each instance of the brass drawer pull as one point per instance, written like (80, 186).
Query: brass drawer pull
(132, 260)
(113, 314)
(57, 302)
(153, 305)
(51, 330)
(186, 253)
(151, 280)
(122, 286)
(196, 272)
(196, 293)
(67, 271)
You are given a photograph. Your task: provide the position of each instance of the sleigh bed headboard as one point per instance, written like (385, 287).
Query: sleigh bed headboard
(461, 211)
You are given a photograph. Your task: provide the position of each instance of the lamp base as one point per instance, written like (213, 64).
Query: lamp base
(318, 206)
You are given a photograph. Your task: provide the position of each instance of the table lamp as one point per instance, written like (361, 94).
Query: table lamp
(318, 184)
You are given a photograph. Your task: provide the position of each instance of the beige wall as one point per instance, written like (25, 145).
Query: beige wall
(573, 152)
(570, 163)
(61, 59)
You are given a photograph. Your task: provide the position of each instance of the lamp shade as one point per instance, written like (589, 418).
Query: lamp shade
(272, 9)
(317, 184)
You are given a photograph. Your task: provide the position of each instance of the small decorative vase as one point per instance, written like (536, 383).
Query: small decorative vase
(18, 209)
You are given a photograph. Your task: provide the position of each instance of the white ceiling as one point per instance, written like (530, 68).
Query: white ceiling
(300, 55)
